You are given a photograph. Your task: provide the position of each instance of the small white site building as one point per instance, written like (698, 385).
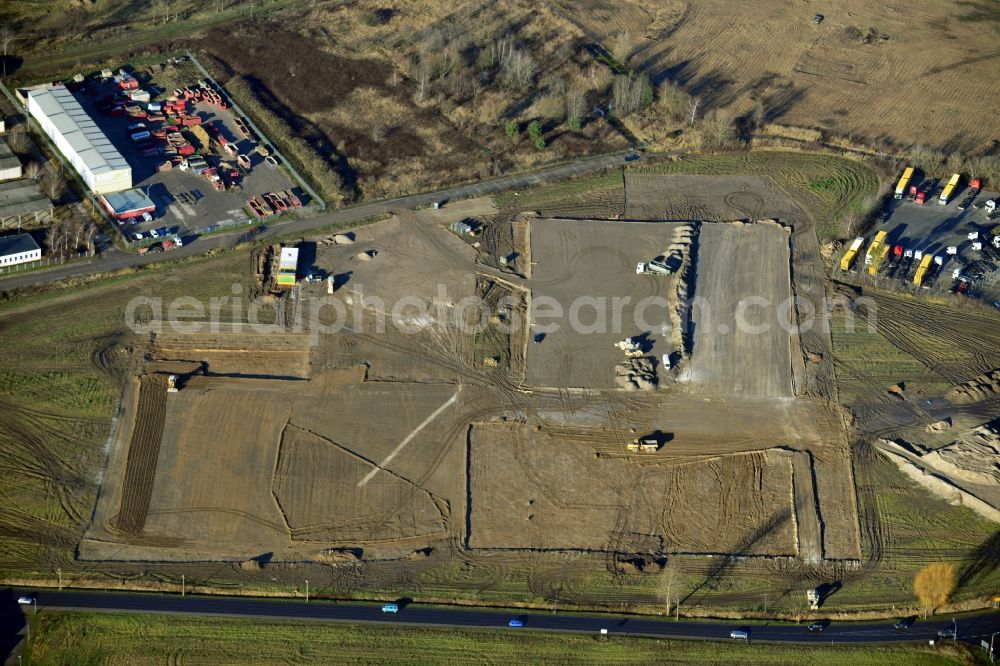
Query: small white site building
(79, 139)
(19, 249)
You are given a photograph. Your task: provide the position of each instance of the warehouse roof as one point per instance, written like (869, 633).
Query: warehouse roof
(17, 244)
(78, 128)
(128, 201)
(21, 197)
(7, 158)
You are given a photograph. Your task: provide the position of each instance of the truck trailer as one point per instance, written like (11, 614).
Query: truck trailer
(903, 182)
(852, 252)
(949, 189)
(925, 264)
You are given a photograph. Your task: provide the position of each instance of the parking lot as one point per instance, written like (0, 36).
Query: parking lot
(932, 228)
(187, 203)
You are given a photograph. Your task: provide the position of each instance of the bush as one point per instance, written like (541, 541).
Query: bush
(512, 129)
(540, 143)
(535, 129)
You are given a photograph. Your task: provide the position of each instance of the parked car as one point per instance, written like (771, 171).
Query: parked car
(153, 233)
(146, 217)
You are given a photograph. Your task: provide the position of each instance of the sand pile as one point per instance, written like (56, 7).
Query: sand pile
(981, 388)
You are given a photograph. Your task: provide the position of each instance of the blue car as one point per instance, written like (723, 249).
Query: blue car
(515, 623)
(390, 608)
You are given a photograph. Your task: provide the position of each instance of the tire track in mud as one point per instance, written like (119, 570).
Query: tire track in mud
(143, 451)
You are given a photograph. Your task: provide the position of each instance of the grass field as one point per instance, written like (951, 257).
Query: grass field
(826, 187)
(867, 364)
(81, 639)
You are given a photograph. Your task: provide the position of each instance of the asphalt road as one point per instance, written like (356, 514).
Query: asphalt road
(971, 628)
(116, 259)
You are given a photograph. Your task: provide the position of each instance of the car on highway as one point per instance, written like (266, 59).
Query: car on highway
(25, 601)
(902, 625)
(390, 608)
(817, 626)
(515, 623)
(948, 632)
(740, 634)
(632, 157)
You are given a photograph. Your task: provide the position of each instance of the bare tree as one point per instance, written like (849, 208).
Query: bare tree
(18, 140)
(52, 239)
(6, 37)
(519, 69)
(719, 128)
(668, 577)
(691, 109)
(576, 105)
(674, 101)
(622, 45)
(33, 170)
(628, 93)
(758, 114)
(90, 230)
(54, 183)
(424, 70)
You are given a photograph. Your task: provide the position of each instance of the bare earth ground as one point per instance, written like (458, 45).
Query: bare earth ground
(743, 315)
(371, 450)
(716, 198)
(539, 492)
(934, 52)
(594, 261)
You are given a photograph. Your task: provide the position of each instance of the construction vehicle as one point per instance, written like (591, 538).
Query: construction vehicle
(661, 265)
(903, 182)
(949, 189)
(172, 384)
(922, 268)
(630, 346)
(644, 445)
(852, 252)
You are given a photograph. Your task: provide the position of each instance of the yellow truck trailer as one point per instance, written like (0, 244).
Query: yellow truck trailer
(878, 256)
(851, 254)
(904, 182)
(925, 263)
(876, 253)
(949, 189)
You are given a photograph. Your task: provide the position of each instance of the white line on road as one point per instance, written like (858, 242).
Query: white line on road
(437, 412)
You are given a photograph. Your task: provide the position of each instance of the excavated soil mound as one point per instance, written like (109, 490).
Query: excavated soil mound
(981, 388)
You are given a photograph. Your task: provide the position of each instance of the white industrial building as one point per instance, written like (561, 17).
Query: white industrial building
(79, 139)
(18, 249)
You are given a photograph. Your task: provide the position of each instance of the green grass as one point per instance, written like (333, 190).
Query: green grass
(118, 639)
(870, 363)
(826, 186)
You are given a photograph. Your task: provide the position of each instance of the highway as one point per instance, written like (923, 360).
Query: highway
(971, 628)
(115, 259)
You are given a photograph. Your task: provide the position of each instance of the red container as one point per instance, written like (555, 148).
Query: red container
(186, 149)
(192, 120)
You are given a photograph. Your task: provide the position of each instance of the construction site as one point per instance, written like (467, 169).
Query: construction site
(345, 427)
(488, 401)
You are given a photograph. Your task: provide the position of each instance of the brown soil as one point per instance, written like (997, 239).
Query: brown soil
(140, 468)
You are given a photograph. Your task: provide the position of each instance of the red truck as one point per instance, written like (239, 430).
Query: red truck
(191, 120)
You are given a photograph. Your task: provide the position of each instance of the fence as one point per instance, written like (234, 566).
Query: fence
(319, 203)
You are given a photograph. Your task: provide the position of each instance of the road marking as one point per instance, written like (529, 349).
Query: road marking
(437, 412)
